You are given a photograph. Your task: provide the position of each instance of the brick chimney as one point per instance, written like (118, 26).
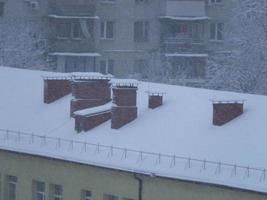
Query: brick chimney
(155, 99)
(89, 93)
(124, 108)
(56, 88)
(223, 112)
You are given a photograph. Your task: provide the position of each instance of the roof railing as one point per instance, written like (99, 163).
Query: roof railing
(124, 153)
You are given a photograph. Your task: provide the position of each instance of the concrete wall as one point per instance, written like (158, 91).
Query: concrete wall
(75, 177)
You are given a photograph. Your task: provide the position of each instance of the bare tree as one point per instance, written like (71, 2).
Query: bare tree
(245, 69)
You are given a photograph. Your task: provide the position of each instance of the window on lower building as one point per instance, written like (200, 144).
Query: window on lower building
(2, 6)
(39, 190)
(86, 195)
(216, 31)
(107, 66)
(56, 192)
(1, 187)
(141, 30)
(12, 187)
(110, 197)
(107, 30)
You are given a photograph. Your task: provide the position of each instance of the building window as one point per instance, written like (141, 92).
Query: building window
(86, 195)
(69, 29)
(141, 1)
(215, 1)
(76, 31)
(141, 30)
(107, 66)
(107, 30)
(12, 187)
(56, 192)
(216, 31)
(1, 187)
(110, 197)
(39, 190)
(2, 6)
(63, 29)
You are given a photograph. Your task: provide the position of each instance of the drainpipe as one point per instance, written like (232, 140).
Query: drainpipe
(140, 186)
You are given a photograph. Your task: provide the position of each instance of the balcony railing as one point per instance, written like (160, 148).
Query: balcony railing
(176, 40)
(72, 10)
(183, 45)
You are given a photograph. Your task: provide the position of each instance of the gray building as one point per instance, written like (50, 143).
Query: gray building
(113, 36)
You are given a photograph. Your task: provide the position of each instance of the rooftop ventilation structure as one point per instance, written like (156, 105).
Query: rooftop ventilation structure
(56, 88)
(225, 111)
(155, 99)
(87, 119)
(90, 92)
(124, 108)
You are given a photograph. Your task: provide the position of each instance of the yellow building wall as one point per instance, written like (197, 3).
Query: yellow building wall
(75, 177)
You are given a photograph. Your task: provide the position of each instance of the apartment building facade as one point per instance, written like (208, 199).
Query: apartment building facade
(120, 37)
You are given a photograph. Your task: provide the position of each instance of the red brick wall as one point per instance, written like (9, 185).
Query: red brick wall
(91, 89)
(124, 96)
(124, 109)
(225, 112)
(89, 93)
(56, 89)
(85, 123)
(154, 101)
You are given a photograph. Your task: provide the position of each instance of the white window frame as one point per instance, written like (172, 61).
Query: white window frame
(38, 192)
(14, 183)
(87, 197)
(104, 35)
(216, 30)
(58, 196)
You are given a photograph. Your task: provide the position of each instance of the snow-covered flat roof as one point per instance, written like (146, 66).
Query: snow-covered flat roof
(176, 140)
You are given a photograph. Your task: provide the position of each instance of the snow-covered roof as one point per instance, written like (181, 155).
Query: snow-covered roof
(72, 17)
(75, 54)
(201, 55)
(184, 18)
(176, 140)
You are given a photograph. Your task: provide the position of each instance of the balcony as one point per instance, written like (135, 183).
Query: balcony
(183, 45)
(72, 8)
(184, 10)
